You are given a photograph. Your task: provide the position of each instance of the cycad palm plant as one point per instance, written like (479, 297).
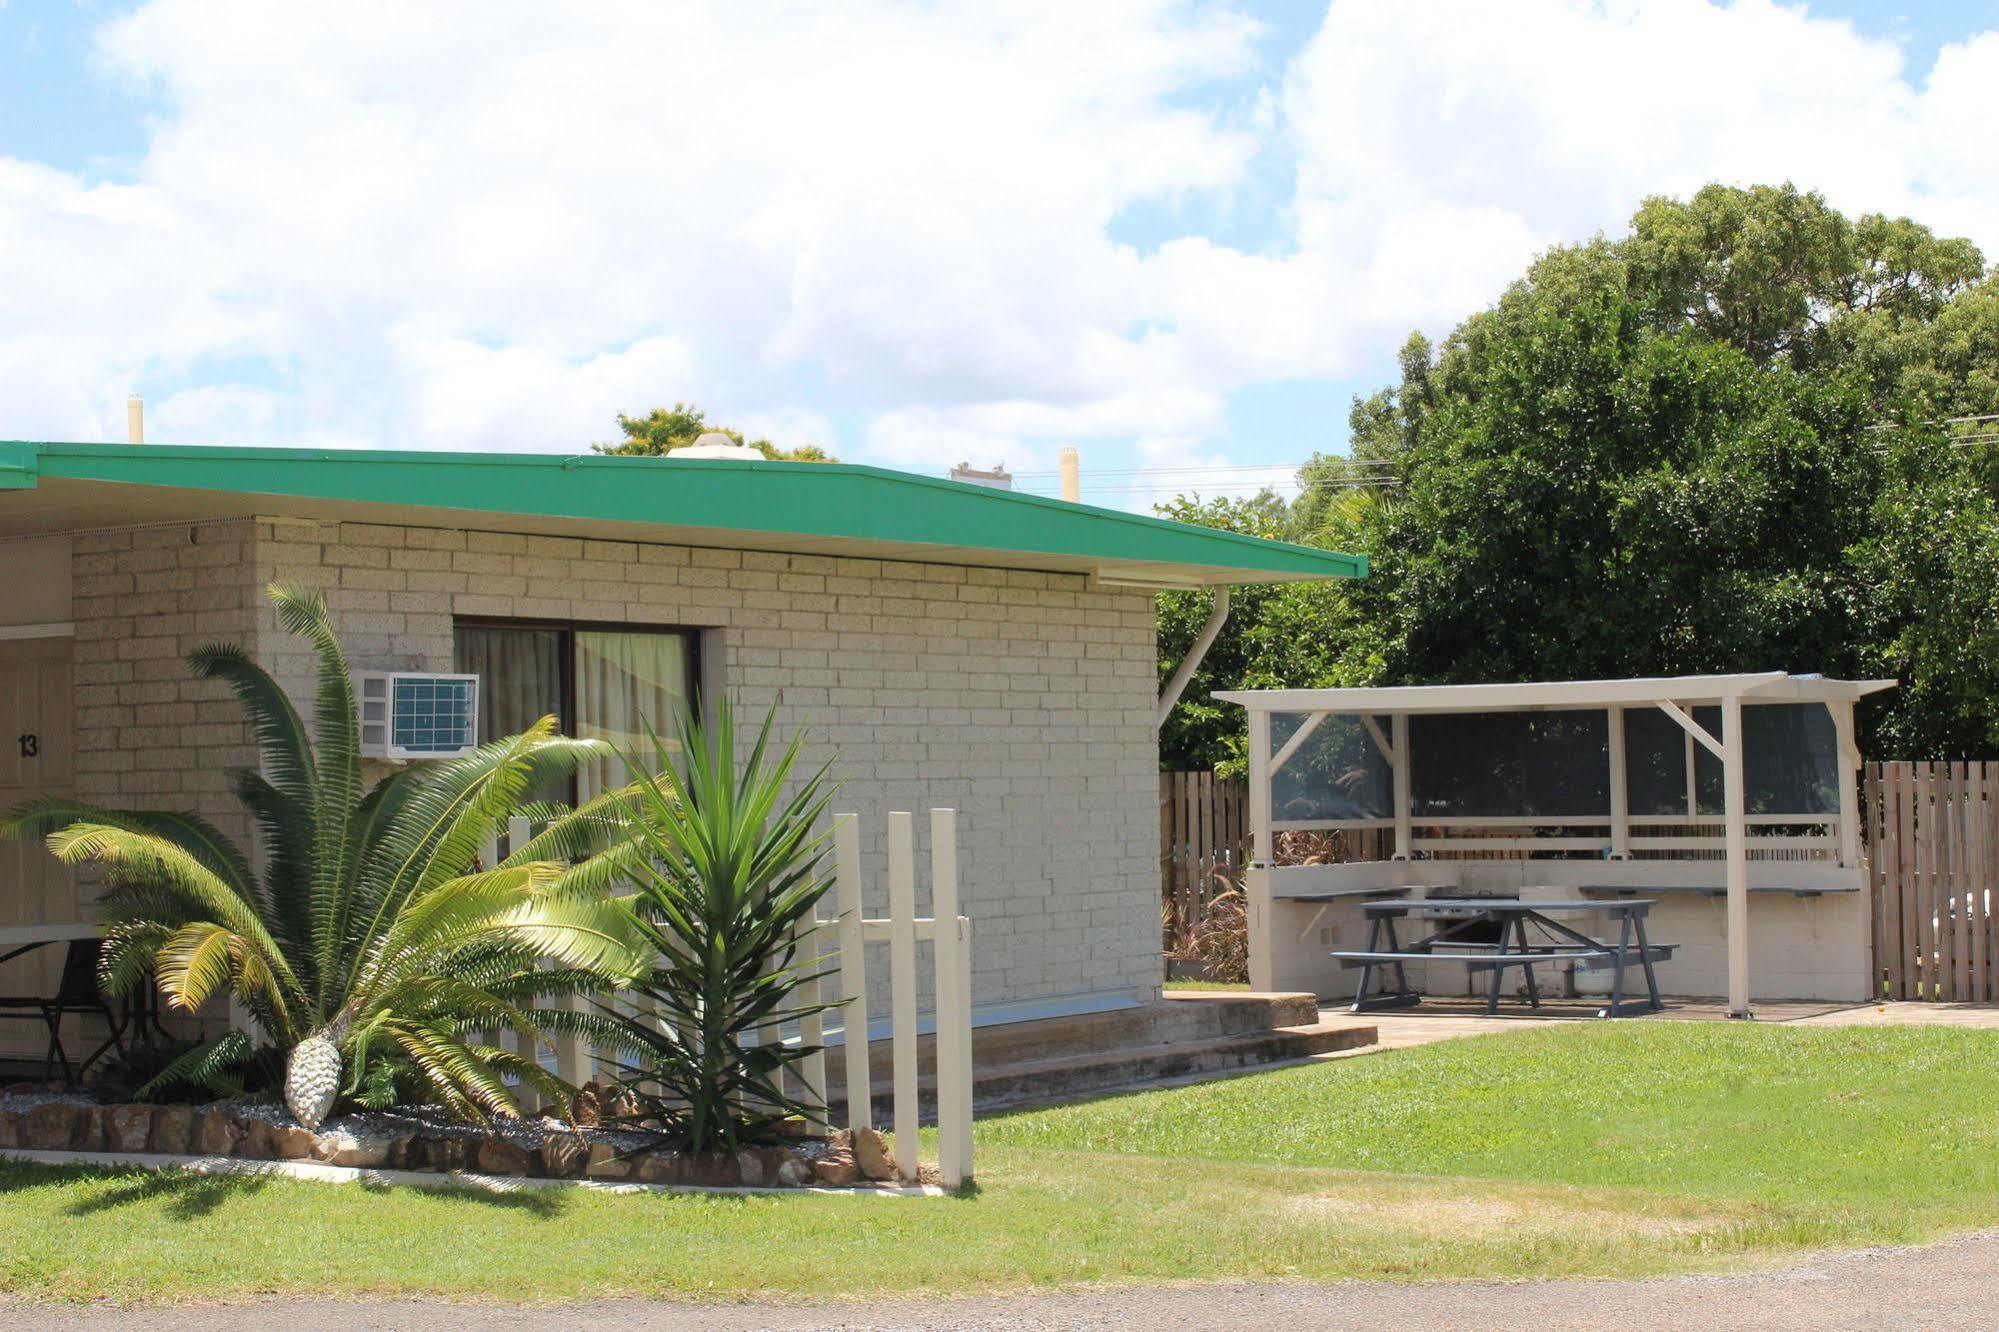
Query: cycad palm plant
(725, 868)
(374, 942)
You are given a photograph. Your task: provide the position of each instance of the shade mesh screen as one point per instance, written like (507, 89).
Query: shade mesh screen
(1790, 757)
(1510, 765)
(1338, 772)
(1555, 765)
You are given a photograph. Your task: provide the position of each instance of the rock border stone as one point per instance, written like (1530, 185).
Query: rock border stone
(321, 1173)
(37, 1121)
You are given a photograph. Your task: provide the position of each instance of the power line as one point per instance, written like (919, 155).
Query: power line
(1364, 463)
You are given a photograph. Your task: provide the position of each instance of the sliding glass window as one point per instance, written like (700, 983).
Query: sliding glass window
(608, 684)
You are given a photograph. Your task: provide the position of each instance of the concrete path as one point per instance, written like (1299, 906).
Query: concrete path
(1943, 1286)
(1439, 1020)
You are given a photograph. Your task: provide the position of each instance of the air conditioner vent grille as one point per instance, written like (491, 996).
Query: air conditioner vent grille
(418, 714)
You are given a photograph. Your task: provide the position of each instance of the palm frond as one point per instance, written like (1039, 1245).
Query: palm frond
(208, 1067)
(193, 834)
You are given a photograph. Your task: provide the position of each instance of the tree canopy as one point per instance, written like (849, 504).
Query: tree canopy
(664, 429)
(1742, 437)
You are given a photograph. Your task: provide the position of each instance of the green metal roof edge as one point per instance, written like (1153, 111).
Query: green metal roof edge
(820, 500)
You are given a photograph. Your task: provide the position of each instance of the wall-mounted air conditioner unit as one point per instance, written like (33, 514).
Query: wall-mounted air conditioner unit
(417, 714)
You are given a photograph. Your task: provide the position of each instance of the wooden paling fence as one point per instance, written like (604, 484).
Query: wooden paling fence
(836, 948)
(1933, 863)
(1203, 828)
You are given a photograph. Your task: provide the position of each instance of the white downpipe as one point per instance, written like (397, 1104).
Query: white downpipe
(1195, 655)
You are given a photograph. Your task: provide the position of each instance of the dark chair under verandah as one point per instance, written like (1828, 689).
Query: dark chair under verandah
(77, 993)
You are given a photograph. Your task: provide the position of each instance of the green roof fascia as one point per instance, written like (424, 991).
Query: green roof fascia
(819, 500)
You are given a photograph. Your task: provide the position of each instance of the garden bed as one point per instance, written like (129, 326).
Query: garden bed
(36, 1117)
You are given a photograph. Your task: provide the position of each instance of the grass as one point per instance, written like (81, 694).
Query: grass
(1614, 1149)
(1206, 985)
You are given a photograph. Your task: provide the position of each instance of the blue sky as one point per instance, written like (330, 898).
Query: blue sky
(1180, 237)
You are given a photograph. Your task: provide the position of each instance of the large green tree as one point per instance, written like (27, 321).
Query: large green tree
(1745, 436)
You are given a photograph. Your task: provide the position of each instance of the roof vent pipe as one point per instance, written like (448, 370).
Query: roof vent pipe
(714, 444)
(135, 420)
(1071, 464)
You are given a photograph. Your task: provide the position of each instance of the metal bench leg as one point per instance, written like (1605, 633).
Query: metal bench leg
(1651, 976)
(1617, 970)
(1367, 969)
(1520, 936)
(1401, 972)
(55, 1054)
(1498, 976)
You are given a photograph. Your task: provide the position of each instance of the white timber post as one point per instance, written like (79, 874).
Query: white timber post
(1736, 828)
(1849, 793)
(1693, 781)
(1262, 847)
(575, 1063)
(853, 970)
(1398, 731)
(1620, 793)
(1262, 850)
(902, 984)
(954, 1019)
(812, 1023)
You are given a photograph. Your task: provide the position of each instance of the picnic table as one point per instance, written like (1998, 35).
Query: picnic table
(1465, 937)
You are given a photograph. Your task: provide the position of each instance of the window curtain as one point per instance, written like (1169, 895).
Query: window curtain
(520, 676)
(520, 682)
(625, 683)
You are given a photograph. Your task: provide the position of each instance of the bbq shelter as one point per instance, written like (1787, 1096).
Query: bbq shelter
(1730, 799)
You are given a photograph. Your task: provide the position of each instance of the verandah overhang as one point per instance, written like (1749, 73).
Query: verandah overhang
(1384, 715)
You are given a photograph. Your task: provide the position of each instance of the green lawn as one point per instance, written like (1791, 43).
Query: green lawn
(1610, 1149)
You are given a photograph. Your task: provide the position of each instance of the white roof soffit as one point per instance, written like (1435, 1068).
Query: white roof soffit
(1763, 687)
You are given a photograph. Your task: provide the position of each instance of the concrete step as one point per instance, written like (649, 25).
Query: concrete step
(1178, 1017)
(1069, 1077)
(1074, 1076)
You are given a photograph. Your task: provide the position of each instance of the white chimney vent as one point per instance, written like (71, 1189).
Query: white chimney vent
(715, 444)
(1071, 463)
(135, 420)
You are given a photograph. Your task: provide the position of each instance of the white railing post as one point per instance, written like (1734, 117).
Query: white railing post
(954, 1019)
(572, 1061)
(902, 984)
(812, 1024)
(852, 938)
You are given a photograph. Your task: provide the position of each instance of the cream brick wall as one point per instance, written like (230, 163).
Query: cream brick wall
(1023, 699)
(148, 734)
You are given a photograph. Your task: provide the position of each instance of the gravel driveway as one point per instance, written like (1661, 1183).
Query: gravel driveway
(1940, 1286)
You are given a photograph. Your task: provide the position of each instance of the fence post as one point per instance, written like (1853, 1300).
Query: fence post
(954, 1019)
(902, 984)
(812, 1023)
(853, 970)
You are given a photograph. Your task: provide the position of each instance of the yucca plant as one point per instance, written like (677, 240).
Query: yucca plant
(374, 945)
(724, 867)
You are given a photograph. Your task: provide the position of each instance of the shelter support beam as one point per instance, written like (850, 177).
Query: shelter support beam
(1694, 728)
(1849, 792)
(1398, 729)
(1195, 655)
(1735, 823)
(1261, 847)
(1620, 798)
(1298, 738)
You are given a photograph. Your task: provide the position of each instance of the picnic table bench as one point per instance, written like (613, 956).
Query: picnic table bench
(1465, 917)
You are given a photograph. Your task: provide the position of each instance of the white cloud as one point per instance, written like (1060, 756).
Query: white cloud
(495, 225)
(469, 224)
